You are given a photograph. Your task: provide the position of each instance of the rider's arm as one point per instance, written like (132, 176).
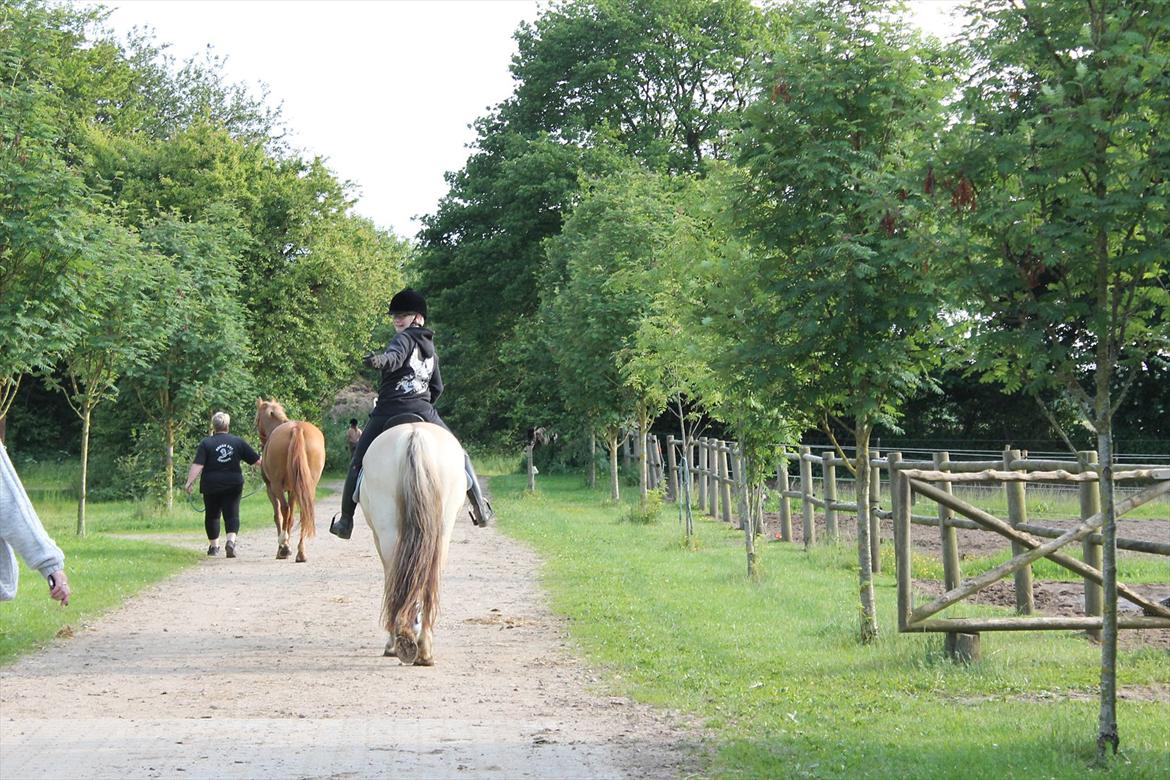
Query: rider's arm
(436, 383)
(394, 355)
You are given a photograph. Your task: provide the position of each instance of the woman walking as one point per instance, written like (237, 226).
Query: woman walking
(217, 466)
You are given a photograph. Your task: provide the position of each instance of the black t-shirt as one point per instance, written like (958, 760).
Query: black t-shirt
(220, 456)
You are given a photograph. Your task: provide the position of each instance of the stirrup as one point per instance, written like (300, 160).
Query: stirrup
(341, 527)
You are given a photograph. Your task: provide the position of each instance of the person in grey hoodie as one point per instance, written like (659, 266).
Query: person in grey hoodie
(21, 532)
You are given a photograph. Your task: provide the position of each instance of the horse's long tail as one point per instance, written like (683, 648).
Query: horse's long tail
(418, 553)
(300, 481)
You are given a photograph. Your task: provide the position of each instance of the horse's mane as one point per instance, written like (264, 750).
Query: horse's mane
(276, 410)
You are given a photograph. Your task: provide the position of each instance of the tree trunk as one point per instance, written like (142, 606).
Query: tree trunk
(1107, 721)
(614, 493)
(170, 463)
(869, 626)
(643, 461)
(86, 417)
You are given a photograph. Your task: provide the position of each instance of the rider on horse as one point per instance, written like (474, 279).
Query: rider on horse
(410, 385)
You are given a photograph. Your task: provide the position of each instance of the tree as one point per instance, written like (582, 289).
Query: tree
(204, 358)
(668, 77)
(600, 282)
(842, 290)
(597, 82)
(120, 326)
(44, 205)
(1059, 179)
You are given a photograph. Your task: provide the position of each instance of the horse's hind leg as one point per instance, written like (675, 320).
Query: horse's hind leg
(301, 557)
(283, 530)
(426, 656)
(406, 646)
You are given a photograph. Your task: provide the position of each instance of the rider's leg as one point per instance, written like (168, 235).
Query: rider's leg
(481, 510)
(342, 525)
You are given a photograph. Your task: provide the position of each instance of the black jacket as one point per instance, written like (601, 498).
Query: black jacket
(410, 370)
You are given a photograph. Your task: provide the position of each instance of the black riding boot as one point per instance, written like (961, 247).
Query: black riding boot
(481, 510)
(342, 525)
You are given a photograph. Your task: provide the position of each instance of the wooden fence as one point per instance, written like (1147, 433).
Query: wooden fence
(715, 469)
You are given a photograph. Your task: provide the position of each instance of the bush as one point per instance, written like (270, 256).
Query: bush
(647, 512)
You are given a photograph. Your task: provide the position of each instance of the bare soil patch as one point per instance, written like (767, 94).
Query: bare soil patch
(254, 668)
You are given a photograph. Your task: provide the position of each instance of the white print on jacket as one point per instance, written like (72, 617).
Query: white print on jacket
(420, 378)
(225, 453)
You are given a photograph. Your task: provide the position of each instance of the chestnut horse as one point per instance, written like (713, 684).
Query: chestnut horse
(413, 487)
(294, 456)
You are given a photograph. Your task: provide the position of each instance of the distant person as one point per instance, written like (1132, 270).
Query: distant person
(411, 384)
(21, 532)
(217, 465)
(353, 434)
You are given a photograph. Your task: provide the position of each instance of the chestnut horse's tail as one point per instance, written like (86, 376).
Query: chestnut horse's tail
(418, 553)
(300, 480)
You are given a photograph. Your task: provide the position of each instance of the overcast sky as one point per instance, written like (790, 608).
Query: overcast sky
(384, 90)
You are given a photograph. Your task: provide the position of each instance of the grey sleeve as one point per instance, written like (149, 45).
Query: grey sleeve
(19, 525)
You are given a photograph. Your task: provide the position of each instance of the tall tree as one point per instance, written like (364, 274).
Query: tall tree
(206, 349)
(596, 80)
(121, 324)
(1060, 181)
(44, 205)
(844, 292)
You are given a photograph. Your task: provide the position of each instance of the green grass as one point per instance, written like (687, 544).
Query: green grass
(104, 570)
(773, 667)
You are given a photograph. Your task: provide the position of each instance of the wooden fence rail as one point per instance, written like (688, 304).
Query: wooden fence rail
(716, 469)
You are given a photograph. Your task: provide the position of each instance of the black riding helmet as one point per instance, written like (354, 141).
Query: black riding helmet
(406, 301)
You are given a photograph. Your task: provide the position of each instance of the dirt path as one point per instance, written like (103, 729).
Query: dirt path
(258, 668)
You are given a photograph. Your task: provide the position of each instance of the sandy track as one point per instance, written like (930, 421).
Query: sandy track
(258, 668)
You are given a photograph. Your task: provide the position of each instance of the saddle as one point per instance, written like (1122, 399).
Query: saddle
(396, 420)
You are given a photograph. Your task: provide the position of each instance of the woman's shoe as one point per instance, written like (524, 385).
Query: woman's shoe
(230, 549)
(213, 550)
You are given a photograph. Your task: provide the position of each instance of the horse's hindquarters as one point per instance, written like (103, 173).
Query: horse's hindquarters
(411, 493)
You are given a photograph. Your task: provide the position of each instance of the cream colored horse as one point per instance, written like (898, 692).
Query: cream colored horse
(413, 489)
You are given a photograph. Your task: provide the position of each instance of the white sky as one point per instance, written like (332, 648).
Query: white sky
(385, 90)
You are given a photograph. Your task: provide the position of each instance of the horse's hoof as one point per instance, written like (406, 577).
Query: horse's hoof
(420, 661)
(283, 552)
(301, 557)
(406, 648)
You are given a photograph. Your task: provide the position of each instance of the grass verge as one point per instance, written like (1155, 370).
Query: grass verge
(773, 669)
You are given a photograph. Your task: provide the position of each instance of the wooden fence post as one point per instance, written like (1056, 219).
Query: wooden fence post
(725, 481)
(829, 480)
(531, 469)
(1090, 495)
(950, 549)
(900, 499)
(806, 492)
(701, 471)
(592, 460)
(713, 477)
(672, 469)
(1017, 516)
(785, 501)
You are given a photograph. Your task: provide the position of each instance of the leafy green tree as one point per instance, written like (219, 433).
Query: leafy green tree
(1060, 182)
(600, 285)
(203, 361)
(667, 76)
(596, 82)
(44, 205)
(843, 291)
(121, 325)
